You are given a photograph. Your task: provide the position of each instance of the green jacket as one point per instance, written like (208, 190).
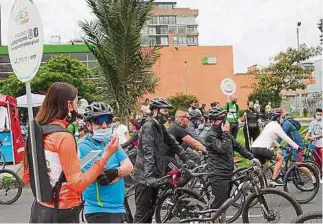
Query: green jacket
(233, 112)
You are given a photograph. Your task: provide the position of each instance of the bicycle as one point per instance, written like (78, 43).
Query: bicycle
(308, 156)
(309, 217)
(9, 181)
(249, 178)
(170, 191)
(2, 158)
(295, 178)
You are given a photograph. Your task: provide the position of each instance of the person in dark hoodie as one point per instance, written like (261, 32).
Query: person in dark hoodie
(154, 141)
(221, 145)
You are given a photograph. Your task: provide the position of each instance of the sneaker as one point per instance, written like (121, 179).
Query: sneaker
(276, 182)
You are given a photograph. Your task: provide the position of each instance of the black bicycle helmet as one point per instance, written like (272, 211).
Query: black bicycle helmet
(159, 103)
(216, 113)
(275, 113)
(195, 115)
(96, 109)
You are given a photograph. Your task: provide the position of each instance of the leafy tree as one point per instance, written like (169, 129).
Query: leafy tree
(284, 73)
(114, 38)
(264, 97)
(180, 101)
(59, 69)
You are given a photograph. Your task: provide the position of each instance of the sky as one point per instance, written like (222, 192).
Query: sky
(257, 29)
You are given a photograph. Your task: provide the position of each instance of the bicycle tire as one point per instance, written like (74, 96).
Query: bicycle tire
(316, 185)
(190, 194)
(308, 217)
(19, 186)
(316, 167)
(2, 161)
(245, 211)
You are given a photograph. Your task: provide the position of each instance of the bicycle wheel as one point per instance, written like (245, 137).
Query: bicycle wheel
(299, 185)
(281, 207)
(2, 161)
(10, 187)
(315, 166)
(168, 205)
(309, 217)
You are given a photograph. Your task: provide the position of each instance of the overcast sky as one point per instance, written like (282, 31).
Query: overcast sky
(257, 29)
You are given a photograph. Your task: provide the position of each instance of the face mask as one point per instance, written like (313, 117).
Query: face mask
(162, 118)
(318, 118)
(234, 101)
(194, 107)
(102, 134)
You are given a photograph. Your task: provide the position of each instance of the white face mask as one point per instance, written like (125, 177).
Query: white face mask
(318, 118)
(102, 134)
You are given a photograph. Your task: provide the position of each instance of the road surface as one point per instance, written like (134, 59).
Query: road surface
(19, 212)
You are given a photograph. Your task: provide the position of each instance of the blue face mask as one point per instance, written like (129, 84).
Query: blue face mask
(102, 134)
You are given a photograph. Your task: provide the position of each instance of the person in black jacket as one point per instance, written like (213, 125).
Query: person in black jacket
(251, 128)
(220, 145)
(154, 141)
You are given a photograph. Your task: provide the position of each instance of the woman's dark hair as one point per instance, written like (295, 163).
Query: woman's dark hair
(55, 105)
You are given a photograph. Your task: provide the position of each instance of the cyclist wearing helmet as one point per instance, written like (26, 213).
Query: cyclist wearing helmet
(267, 139)
(195, 121)
(221, 145)
(150, 162)
(104, 198)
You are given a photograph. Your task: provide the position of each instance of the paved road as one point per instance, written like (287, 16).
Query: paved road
(19, 211)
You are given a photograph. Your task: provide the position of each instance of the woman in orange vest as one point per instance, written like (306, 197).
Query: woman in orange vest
(59, 108)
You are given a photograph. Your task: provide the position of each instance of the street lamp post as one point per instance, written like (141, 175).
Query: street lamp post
(297, 29)
(300, 93)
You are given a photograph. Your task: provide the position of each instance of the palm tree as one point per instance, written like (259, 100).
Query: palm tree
(114, 37)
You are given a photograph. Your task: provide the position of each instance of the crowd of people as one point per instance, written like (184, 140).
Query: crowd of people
(155, 140)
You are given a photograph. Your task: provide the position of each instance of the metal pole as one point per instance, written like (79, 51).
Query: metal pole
(33, 142)
(185, 76)
(297, 30)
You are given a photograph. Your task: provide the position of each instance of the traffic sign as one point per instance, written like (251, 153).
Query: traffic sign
(25, 40)
(228, 87)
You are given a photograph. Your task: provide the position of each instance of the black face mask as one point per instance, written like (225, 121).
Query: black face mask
(234, 101)
(162, 118)
(71, 118)
(194, 107)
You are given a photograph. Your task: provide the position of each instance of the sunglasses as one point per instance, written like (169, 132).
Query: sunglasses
(99, 120)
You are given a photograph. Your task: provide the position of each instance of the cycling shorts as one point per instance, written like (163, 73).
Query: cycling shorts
(263, 154)
(297, 156)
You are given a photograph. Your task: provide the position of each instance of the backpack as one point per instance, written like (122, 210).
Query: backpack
(47, 193)
(294, 122)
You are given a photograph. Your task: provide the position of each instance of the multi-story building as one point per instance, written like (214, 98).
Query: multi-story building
(171, 26)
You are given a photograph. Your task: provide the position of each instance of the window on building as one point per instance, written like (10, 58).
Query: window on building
(163, 30)
(180, 20)
(152, 30)
(155, 20)
(163, 41)
(181, 40)
(165, 6)
(172, 20)
(152, 41)
(181, 29)
(190, 40)
(163, 20)
(191, 29)
(196, 41)
(172, 29)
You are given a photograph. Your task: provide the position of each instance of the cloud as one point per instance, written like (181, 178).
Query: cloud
(257, 29)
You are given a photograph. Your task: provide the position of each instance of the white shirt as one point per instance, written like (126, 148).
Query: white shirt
(316, 129)
(267, 138)
(121, 131)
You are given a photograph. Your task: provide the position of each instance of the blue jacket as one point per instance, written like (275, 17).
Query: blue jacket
(293, 133)
(99, 198)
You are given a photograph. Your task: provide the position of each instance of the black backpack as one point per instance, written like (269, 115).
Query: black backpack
(47, 193)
